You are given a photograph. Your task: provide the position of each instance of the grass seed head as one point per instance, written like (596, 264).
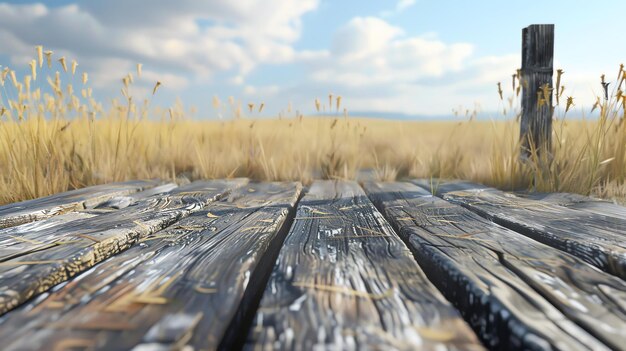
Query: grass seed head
(13, 78)
(605, 87)
(74, 65)
(63, 63)
(559, 73)
(139, 66)
(546, 91)
(85, 78)
(39, 50)
(156, 87)
(596, 104)
(49, 58)
(570, 103)
(33, 69)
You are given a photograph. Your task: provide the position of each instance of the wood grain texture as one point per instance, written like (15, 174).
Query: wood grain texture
(516, 292)
(44, 254)
(344, 280)
(119, 202)
(45, 207)
(597, 239)
(36, 236)
(189, 285)
(537, 71)
(579, 202)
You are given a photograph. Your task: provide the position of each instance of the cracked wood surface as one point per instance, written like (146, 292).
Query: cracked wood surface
(597, 239)
(162, 267)
(195, 282)
(516, 292)
(580, 202)
(46, 207)
(36, 256)
(345, 280)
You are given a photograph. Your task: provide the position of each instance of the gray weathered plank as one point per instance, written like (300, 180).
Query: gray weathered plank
(36, 259)
(189, 284)
(516, 292)
(597, 239)
(345, 280)
(36, 236)
(45, 207)
(120, 202)
(579, 202)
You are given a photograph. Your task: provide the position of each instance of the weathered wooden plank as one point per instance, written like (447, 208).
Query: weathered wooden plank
(120, 202)
(579, 202)
(189, 284)
(45, 207)
(516, 292)
(597, 239)
(344, 280)
(36, 236)
(50, 255)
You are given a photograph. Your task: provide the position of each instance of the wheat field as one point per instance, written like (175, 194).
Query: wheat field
(54, 137)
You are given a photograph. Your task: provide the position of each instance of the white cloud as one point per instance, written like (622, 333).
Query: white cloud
(401, 5)
(373, 64)
(404, 4)
(378, 67)
(371, 51)
(178, 38)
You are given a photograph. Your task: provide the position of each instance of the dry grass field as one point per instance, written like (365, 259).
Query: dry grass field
(54, 137)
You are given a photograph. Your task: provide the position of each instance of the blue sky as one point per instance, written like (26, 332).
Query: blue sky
(420, 58)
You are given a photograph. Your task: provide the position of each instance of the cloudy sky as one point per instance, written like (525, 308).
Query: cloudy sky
(413, 57)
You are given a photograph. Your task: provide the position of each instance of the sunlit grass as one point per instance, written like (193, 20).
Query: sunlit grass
(55, 136)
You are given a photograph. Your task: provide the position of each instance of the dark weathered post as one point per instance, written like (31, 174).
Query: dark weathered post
(536, 82)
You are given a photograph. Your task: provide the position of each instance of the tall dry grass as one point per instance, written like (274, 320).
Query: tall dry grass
(54, 137)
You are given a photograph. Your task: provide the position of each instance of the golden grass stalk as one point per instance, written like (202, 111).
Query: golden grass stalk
(13, 78)
(156, 87)
(39, 49)
(33, 69)
(49, 58)
(56, 142)
(63, 63)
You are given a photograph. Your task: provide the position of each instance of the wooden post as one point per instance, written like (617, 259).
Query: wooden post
(536, 82)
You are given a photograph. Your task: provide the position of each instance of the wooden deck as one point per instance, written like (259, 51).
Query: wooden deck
(233, 264)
